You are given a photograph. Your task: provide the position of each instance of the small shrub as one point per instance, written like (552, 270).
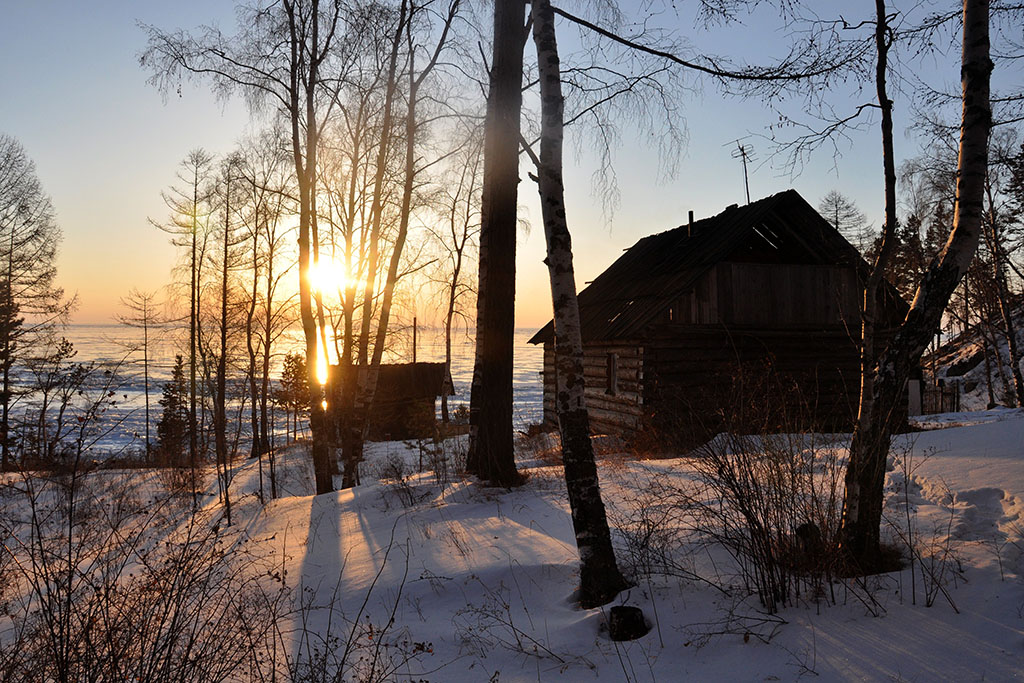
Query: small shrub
(774, 502)
(109, 584)
(460, 416)
(395, 471)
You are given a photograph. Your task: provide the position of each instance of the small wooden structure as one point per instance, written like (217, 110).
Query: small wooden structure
(941, 397)
(404, 403)
(746, 320)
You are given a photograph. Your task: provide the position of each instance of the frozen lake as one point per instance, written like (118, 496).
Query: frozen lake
(110, 345)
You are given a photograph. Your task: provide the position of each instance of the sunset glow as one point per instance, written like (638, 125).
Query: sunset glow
(327, 276)
(322, 356)
(301, 376)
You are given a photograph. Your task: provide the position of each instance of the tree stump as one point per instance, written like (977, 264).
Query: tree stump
(626, 623)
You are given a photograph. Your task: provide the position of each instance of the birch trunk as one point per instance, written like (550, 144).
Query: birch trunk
(220, 399)
(600, 579)
(863, 497)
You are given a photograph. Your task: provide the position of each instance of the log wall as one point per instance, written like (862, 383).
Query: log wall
(705, 378)
(752, 346)
(616, 411)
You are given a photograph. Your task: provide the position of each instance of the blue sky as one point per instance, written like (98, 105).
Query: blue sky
(105, 144)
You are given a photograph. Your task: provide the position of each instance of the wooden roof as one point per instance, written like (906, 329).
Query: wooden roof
(404, 381)
(655, 271)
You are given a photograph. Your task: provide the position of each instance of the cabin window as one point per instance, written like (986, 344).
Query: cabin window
(613, 374)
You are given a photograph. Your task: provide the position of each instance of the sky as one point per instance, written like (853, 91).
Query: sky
(105, 144)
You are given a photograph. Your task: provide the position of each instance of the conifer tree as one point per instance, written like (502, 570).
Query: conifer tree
(173, 428)
(33, 307)
(294, 387)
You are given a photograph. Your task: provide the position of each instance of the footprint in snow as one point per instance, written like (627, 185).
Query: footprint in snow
(981, 512)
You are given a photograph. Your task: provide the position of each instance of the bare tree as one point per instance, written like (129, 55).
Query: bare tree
(458, 206)
(32, 307)
(358, 387)
(188, 226)
(144, 314)
(867, 410)
(862, 503)
(268, 312)
(413, 167)
(600, 579)
(228, 183)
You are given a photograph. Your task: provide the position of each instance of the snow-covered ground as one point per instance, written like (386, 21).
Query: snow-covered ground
(965, 418)
(486, 577)
(962, 360)
(466, 583)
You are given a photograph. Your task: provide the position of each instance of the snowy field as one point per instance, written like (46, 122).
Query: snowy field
(415, 576)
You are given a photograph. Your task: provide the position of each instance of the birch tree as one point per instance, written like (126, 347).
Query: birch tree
(458, 212)
(865, 477)
(600, 579)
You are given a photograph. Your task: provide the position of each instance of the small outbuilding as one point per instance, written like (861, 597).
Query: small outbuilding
(404, 405)
(746, 320)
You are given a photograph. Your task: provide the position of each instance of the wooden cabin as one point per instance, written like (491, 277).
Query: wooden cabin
(746, 320)
(404, 406)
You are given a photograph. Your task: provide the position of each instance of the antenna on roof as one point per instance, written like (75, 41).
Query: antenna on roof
(745, 153)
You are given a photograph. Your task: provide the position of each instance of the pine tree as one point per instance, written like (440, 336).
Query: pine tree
(294, 386)
(908, 262)
(173, 429)
(845, 217)
(937, 231)
(33, 306)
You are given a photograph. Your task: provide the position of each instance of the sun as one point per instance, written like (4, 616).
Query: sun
(327, 276)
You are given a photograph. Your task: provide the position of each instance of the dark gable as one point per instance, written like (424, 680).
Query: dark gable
(654, 273)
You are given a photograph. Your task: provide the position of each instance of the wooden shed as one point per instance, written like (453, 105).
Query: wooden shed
(405, 400)
(746, 320)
